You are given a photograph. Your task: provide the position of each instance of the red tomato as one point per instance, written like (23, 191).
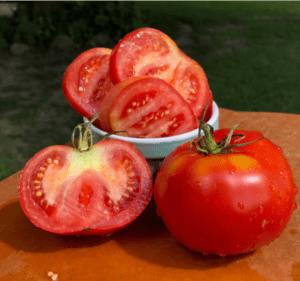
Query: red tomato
(150, 52)
(67, 191)
(86, 81)
(227, 203)
(149, 107)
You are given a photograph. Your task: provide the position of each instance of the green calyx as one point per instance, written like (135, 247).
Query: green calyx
(85, 140)
(207, 144)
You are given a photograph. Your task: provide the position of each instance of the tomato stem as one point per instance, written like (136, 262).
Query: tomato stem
(207, 144)
(83, 141)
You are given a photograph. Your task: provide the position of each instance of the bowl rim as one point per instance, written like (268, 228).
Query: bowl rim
(214, 117)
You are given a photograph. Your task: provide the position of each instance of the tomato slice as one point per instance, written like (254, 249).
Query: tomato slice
(86, 81)
(99, 191)
(149, 107)
(150, 52)
(107, 102)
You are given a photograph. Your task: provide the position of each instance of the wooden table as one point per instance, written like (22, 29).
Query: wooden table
(145, 250)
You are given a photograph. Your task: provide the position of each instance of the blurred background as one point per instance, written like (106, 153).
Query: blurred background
(248, 50)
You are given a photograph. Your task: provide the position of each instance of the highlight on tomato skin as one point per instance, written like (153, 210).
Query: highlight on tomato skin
(228, 203)
(150, 52)
(95, 192)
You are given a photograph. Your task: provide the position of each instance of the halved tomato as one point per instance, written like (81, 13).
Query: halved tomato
(97, 191)
(149, 107)
(86, 81)
(150, 52)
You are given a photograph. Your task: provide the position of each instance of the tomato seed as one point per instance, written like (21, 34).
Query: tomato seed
(39, 193)
(49, 160)
(131, 182)
(134, 103)
(130, 189)
(42, 169)
(40, 175)
(192, 91)
(129, 168)
(131, 175)
(80, 89)
(55, 161)
(167, 112)
(37, 181)
(37, 187)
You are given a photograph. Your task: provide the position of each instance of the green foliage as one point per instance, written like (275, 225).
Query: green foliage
(80, 20)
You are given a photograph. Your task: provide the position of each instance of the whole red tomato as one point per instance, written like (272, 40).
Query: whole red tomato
(90, 190)
(223, 197)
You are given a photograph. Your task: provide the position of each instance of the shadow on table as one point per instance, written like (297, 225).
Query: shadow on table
(146, 238)
(17, 231)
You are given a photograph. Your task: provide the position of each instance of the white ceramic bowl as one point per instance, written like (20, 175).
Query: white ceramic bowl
(158, 148)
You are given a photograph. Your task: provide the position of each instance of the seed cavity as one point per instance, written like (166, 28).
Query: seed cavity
(131, 182)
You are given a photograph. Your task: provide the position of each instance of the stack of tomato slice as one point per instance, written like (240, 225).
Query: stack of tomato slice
(146, 86)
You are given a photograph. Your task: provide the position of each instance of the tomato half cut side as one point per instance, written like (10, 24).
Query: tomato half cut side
(191, 82)
(150, 108)
(86, 81)
(109, 99)
(144, 52)
(99, 191)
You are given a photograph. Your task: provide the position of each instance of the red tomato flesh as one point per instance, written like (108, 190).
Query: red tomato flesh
(150, 52)
(86, 81)
(149, 107)
(100, 191)
(226, 203)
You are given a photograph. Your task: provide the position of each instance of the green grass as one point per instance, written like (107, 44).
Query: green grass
(250, 52)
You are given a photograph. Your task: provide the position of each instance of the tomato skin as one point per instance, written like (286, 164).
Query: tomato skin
(150, 52)
(100, 191)
(86, 81)
(226, 203)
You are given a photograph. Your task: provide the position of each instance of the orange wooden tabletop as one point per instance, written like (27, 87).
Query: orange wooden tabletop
(145, 249)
